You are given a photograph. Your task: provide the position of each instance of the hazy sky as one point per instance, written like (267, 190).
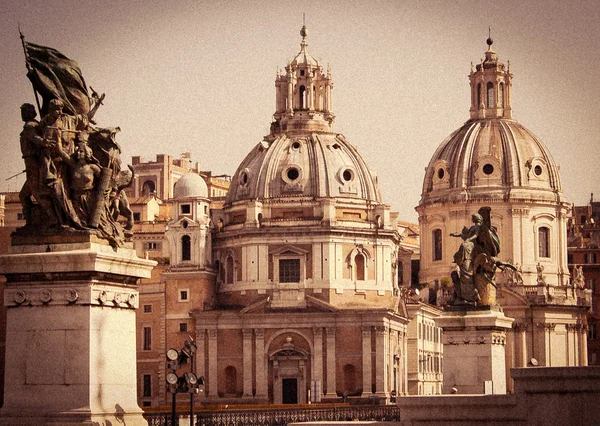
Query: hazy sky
(199, 76)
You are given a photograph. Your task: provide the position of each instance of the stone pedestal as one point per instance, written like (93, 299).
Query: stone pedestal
(474, 342)
(70, 333)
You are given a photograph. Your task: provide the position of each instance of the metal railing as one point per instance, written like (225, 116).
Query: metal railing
(281, 416)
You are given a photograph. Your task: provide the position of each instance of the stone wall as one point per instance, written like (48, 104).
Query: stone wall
(544, 396)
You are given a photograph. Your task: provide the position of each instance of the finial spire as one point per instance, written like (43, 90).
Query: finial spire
(489, 41)
(303, 33)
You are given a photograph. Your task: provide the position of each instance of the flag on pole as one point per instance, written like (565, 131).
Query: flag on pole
(54, 76)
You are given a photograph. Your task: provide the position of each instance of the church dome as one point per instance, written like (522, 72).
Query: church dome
(322, 165)
(302, 156)
(491, 157)
(190, 185)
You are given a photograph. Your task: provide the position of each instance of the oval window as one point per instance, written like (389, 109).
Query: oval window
(184, 224)
(296, 145)
(441, 174)
(293, 173)
(244, 178)
(488, 169)
(538, 170)
(347, 175)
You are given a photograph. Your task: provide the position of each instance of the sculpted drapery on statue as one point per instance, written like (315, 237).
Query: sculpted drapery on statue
(73, 168)
(476, 262)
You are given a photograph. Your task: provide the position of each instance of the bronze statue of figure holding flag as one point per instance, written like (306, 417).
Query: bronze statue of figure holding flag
(74, 177)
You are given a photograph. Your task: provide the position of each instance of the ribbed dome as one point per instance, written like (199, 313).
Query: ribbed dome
(316, 166)
(190, 185)
(493, 158)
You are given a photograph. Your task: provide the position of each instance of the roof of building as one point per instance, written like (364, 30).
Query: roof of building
(190, 185)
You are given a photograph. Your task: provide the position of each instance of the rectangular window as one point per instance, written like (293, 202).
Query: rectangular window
(592, 331)
(147, 386)
(437, 244)
(289, 270)
(147, 343)
(20, 216)
(147, 309)
(183, 327)
(186, 209)
(137, 216)
(590, 258)
(544, 242)
(183, 295)
(152, 245)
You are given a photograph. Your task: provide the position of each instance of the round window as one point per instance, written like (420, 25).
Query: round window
(296, 145)
(538, 170)
(347, 175)
(293, 173)
(441, 174)
(488, 169)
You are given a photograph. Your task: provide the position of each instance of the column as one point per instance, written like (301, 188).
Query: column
(200, 367)
(380, 361)
(290, 94)
(366, 362)
(247, 362)
(317, 362)
(331, 370)
(583, 359)
(261, 367)
(211, 392)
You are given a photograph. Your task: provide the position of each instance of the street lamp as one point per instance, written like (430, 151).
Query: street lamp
(188, 382)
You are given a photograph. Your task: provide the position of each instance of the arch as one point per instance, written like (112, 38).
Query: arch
(478, 95)
(359, 267)
(357, 261)
(501, 95)
(230, 379)
(148, 188)
(490, 95)
(290, 331)
(302, 97)
(186, 248)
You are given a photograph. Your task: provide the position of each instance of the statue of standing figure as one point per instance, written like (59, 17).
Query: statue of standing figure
(476, 262)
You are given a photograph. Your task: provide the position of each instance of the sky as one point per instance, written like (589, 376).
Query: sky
(198, 76)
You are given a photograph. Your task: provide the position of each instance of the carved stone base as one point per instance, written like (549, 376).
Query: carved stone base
(70, 333)
(474, 342)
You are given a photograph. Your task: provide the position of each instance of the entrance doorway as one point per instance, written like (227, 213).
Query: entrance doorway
(289, 389)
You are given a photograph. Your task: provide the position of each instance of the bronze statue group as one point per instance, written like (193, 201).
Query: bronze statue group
(74, 180)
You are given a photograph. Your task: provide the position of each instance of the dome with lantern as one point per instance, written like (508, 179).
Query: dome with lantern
(302, 156)
(491, 156)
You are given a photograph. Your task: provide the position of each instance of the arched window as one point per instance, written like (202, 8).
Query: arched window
(359, 267)
(229, 270)
(478, 95)
(186, 248)
(148, 188)
(302, 97)
(544, 241)
(501, 95)
(490, 95)
(437, 244)
(230, 380)
(349, 379)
